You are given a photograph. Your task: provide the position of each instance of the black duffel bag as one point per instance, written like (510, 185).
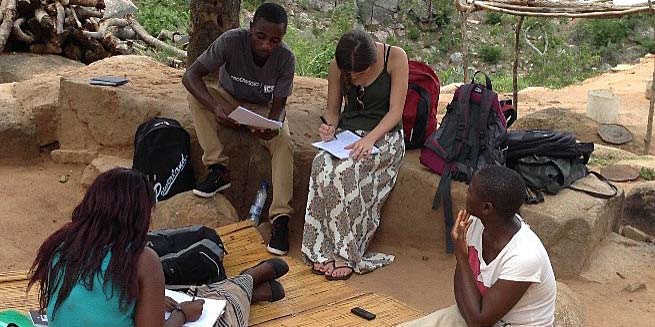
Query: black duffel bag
(189, 255)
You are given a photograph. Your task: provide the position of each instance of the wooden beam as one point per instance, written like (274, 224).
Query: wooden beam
(515, 66)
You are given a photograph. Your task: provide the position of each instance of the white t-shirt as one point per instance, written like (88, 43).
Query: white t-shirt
(523, 259)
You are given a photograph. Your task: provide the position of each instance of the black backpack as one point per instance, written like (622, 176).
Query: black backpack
(470, 137)
(161, 152)
(189, 255)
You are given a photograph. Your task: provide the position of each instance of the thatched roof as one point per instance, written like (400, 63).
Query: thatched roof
(559, 8)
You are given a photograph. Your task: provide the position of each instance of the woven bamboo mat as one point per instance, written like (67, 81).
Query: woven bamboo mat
(388, 311)
(310, 299)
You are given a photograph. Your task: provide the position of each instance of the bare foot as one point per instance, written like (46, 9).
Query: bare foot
(327, 267)
(340, 271)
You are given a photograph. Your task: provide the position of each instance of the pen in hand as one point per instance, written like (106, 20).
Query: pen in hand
(326, 123)
(195, 292)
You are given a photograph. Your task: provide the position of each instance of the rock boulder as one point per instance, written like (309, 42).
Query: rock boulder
(639, 208)
(186, 209)
(569, 311)
(101, 165)
(16, 67)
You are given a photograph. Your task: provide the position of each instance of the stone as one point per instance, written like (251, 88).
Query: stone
(533, 89)
(603, 152)
(605, 67)
(618, 259)
(563, 120)
(649, 89)
(639, 208)
(376, 12)
(381, 35)
(16, 67)
(634, 234)
(17, 131)
(571, 224)
(42, 109)
(621, 68)
(569, 310)
(620, 173)
(66, 156)
(185, 209)
(456, 57)
(634, 287)
(100, 165)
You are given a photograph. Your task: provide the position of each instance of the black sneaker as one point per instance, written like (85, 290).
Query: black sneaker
(217, 180)
(279, 243)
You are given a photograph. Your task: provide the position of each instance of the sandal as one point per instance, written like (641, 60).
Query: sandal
(280, 267)
(331, 277)
(318, 271)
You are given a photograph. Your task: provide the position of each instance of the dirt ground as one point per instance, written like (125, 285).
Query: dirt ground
(34, 203)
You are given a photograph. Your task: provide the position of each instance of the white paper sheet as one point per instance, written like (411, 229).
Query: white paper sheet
(211, 310)
(337, 146)
(244, 116)
(629, 2)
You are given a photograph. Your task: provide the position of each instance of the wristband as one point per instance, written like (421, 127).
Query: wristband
(180, 310)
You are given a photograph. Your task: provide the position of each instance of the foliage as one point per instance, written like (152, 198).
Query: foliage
(413, 32)
(647, 174)
(315, 52)
(156, 15)
(490, 54)
(493, 18)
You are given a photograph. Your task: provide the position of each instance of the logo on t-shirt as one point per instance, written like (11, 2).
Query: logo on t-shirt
(244, 81)
(269, 88)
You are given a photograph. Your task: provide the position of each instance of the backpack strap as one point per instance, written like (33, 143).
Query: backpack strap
(422, 111)
(387, 51)
(602, 178)
(483, 120)
(443, 192)
(486, 79)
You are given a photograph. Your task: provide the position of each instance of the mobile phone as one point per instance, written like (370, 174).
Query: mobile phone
(362, 313)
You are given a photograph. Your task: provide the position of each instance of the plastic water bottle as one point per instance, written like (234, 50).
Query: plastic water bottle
(257, 206)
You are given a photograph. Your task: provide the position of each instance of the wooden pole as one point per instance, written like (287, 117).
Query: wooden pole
(649, 128)
(465, 51)
(515, 67)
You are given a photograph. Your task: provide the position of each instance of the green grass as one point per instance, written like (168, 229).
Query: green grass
(647, 174)
(314, 53)
(156, 15)
(490, 54)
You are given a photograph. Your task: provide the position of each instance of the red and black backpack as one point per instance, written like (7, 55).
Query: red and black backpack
(420, 112)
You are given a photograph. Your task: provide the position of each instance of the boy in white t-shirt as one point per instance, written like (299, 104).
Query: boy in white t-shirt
(503, 275)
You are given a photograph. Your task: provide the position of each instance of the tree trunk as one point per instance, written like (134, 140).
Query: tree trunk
(209, 19)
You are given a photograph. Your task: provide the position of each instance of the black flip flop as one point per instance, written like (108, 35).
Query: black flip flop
(346, 277)
(318, 272)
(277, 290)
(280, 266)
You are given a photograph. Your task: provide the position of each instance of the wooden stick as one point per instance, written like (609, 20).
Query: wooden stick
(70, 12)
(515, 66)
(465, 51)
(25, 37)
(7, 23)
(605, 14)
(98, 4)
(84, 13)
(60, 17)
(649, 127)
(152, 41)
(3, 5)
(104, 26)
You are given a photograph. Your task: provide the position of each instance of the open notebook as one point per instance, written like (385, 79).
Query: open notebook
(211, 310)
(337, 146)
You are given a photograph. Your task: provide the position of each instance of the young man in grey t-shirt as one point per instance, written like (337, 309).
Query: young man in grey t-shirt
(255, 70)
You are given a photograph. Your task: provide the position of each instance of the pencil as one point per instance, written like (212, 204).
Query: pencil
(195, 292)
(326, 123)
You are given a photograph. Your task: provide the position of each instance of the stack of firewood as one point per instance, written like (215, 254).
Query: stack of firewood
(73, 28)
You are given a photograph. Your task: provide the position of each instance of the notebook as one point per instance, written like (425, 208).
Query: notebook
(246, 117)
(38, 320)
(109, 80)
(211, 310)
(337, 146)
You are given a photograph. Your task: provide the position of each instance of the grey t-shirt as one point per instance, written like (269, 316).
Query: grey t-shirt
(231, 55)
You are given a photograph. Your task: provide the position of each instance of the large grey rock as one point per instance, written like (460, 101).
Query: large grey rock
(17, 131)
(571, 224)
(639, 208)
(100, 165)
(73, 156)
(186, 209)
(376, 12)
(619, 260)
(23, 66)
(569, 311)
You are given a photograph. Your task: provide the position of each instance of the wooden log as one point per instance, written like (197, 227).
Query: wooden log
(7, 23)
(44, 20)
(105, 26)
(3, 5)
(72, 52)
(515, 66)
(70, 14)
(152, 41)
(115, 45)
(651, 109)
(98, 4)
(25, 37)
(60, 17)
(84, 13)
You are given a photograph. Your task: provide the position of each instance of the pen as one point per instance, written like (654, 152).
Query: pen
(326, 123)
(195, 292)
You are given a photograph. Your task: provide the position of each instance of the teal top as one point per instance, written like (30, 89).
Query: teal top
(99, 306)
